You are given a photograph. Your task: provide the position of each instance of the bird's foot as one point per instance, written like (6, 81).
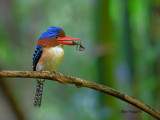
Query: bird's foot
(60, 78)
(58, 74)
(46, 72)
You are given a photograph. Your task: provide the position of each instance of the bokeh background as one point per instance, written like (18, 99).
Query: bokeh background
(122, 44)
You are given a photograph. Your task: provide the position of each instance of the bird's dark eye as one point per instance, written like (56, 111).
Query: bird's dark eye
(56, 36)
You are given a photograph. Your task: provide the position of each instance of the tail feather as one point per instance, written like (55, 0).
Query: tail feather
(39, 90)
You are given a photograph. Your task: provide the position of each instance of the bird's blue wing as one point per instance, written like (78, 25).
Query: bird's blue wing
(36, 56)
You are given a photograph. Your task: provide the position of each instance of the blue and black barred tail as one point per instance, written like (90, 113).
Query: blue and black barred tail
(39, 91)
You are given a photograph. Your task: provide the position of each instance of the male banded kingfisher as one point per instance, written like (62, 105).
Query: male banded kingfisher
(49, 54)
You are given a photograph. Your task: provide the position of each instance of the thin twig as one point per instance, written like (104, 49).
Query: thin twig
(82, 83)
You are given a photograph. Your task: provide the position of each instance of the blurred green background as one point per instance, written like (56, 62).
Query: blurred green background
(122, 44)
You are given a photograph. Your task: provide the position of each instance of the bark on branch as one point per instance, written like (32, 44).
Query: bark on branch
(82, 83)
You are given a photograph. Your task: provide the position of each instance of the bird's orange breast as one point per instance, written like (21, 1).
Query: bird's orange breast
(50, 59)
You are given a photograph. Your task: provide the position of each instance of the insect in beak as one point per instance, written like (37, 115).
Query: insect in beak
(79, 47)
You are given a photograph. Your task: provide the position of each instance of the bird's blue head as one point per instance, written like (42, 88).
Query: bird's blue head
(54, 36)
(51, 32)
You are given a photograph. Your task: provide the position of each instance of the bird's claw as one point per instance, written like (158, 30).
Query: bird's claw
(46, 72)
(58, 74)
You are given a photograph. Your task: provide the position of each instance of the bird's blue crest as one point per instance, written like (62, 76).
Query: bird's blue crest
(51, 32)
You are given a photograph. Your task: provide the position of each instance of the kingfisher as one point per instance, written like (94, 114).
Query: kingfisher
(49, 54)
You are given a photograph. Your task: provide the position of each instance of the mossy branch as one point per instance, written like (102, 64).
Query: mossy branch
(82, 83)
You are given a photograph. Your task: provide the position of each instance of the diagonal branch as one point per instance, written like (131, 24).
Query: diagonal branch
(82, 83)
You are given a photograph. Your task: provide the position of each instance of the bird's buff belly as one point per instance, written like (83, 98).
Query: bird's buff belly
(50, 59)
